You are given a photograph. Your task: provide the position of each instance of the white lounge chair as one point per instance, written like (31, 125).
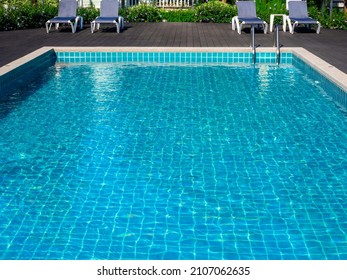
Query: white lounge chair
(66, 15)
(298, 15)
(247, 15)
(108, 15)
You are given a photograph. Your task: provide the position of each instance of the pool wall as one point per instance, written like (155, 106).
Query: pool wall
(30, 67)
(25, 69)
(332, 80)
(186, 57)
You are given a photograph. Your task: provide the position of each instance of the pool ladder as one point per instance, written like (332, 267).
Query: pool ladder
(276, 45)
(254, 53)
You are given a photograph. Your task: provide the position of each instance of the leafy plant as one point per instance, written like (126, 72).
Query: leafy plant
(338, 20)
(144, 13)
(214, 11)
(21, 14)
(267, 7)
(179, 15)
(88, 13)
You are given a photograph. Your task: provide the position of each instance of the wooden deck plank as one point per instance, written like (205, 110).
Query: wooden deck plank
(330, 45)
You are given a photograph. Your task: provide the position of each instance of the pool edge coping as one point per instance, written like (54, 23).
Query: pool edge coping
(24, 59)
(321, 66)
(327, 70)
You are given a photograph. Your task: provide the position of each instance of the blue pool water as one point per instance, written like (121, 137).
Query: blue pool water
(173, 162)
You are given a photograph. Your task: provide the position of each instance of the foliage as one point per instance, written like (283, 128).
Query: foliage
(179, 15)
(144, 13)
(25, 15)
(214, 11)
(88, 13)
(21, 14)
(231, 2)
(338, 20)
(267, 7)
(26, 2)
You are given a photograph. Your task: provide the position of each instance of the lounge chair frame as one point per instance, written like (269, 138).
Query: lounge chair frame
(298, 14)
(247, 16)
(66, 15)
(108, 15)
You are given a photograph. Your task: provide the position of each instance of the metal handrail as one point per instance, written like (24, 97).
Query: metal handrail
(253, 45)
(277, 44)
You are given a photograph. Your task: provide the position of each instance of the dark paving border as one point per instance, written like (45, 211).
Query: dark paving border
(329, 45)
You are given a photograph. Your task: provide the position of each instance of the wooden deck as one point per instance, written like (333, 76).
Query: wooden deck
(330, 45)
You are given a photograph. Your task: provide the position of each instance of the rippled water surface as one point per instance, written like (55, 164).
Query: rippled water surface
(172, 162)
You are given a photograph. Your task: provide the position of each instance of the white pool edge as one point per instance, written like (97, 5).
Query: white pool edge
(23, 60)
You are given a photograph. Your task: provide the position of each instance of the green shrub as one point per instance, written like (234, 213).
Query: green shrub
(338, 20)
(25, 15)
(21, 14)
(267, 7)
(144, 13)
(214, 11)
(88, 13)
(179, 15)
(2, 17)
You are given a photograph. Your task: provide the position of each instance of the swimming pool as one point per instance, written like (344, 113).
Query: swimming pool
(173, 161)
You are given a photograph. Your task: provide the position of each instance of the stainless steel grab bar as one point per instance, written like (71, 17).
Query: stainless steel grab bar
(277, 44)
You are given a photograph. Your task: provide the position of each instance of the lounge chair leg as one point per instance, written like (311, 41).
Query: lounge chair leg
(73, 26)
(239, 27)
(76, 24)
(265, 27)
(81, 22)
(48, 26)
(92, 26)
(318, 27)
(290, 27)
(233, 23)
(121, 23)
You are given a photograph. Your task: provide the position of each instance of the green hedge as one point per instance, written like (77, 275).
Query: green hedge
(213, 11)
(21, 14)
(187, 15)
(25, 16)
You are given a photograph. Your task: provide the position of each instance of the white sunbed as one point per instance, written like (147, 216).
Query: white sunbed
(298, 15)
(247, 15)
(108, 15)
(66, 15)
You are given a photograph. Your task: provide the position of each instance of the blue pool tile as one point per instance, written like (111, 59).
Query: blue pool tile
(193, 166)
